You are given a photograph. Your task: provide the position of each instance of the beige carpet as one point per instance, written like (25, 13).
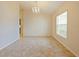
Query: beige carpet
(35, 47)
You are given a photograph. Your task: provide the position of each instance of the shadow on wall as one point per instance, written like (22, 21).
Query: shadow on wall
(9, 31)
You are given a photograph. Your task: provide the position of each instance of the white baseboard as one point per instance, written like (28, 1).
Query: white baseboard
(66, 47)
(6, 45)
(37, 36)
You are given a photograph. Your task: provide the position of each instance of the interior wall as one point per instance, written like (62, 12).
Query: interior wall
(72, 40)
(37, 24)
(9, 15)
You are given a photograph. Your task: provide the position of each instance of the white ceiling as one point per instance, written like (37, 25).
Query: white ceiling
(45, 6)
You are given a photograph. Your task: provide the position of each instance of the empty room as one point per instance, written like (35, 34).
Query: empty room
(39, 28)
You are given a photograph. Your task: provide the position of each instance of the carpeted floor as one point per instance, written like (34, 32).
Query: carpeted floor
(35, 47)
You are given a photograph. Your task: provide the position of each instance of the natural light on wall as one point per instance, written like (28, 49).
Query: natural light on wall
(61, 24)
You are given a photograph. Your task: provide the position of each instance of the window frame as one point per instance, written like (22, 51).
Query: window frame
(61, 35)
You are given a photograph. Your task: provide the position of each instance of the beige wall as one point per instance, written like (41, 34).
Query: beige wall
(9, 16)
(37, 24)
(72, 42)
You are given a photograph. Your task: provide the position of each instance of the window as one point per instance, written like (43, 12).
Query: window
(61, 24)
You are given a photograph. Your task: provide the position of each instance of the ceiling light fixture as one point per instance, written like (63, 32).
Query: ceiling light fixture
(36, 9)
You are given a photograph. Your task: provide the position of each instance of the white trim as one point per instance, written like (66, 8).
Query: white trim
(6, 45)
(66, 47)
